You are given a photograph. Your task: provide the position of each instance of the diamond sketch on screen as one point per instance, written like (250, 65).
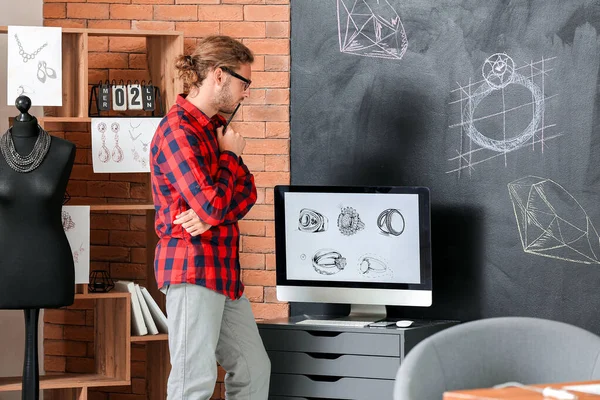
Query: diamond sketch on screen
(370, 28)
(552, 223)
(500, 76)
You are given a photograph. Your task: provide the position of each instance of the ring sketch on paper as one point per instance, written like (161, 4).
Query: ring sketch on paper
(312, 221)
(328, 262)
(122, 144)
(35, 65)
(76, 224)
(374, 267)
(391, 222)
(370, 28)
(349, 221)
(515, 119)
(552, 223)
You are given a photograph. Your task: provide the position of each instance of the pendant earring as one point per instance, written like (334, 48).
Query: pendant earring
(117, 153)
(104, 153)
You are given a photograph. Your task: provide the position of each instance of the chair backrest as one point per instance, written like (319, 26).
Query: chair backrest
(488, 352)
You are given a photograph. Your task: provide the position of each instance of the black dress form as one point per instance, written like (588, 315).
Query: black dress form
(36, 264)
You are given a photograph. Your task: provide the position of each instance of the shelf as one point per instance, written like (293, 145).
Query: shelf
(150, 338)
(94, 296)
(50, 120)
(112, 32)
(61, 381)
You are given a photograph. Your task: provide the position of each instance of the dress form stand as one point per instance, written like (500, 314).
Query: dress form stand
(31, 371)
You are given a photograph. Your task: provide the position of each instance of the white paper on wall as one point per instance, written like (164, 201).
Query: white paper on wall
(35, 65)
(76, 223)
(122, 144)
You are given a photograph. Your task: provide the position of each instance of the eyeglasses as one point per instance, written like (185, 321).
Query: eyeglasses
(247, 82)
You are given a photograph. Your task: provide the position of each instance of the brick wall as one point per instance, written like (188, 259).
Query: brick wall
(118, 239)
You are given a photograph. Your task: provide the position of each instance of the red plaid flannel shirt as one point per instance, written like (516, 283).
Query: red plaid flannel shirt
(189, 171)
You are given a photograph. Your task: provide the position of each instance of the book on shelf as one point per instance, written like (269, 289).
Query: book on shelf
(146, 316)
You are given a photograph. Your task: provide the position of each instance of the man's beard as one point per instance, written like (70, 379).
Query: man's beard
(224, 101)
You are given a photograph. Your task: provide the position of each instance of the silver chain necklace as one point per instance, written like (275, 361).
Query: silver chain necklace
(32, 160)
(28, 56)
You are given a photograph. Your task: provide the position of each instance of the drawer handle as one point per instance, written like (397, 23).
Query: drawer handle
(320, 378)
(324, 333)
(324, 356)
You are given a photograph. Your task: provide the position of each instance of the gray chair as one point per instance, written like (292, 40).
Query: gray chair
(488, 352)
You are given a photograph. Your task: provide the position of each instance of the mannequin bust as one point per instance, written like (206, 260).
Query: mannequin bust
(36, 267)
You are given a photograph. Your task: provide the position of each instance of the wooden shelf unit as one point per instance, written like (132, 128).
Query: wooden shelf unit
(112, 338)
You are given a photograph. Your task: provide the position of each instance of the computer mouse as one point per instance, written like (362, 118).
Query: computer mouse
(403, 323)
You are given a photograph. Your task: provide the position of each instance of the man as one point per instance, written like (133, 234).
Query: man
(201, 188)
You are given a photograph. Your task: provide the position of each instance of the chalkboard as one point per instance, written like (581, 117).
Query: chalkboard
(491, 104)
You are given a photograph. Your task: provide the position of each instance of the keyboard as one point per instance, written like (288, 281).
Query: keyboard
(335, 322)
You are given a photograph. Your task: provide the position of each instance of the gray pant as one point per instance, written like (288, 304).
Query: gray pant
(206, 327)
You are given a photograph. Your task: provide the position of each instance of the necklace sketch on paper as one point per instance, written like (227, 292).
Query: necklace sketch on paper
(78, 253)
(136, 137)
(137, 157)
(28, 56)
(67, 221)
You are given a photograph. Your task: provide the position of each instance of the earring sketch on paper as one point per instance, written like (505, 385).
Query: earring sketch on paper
(370, 28)
(328, 262)
(511, 124)
(104, 153)
(122, 144)
(552, 223)
(44, 71)
(28, 56)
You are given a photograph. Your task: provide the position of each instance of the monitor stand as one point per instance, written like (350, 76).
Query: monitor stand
(365, 312)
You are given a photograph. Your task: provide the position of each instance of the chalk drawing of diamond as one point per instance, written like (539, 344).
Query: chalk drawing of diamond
(370, 28)
(552, 223)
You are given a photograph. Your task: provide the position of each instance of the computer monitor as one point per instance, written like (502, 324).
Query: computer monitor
(365, 246)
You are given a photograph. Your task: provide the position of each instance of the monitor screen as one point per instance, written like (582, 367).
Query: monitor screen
(368, 245)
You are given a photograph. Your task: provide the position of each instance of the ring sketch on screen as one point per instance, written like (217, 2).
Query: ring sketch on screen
(370, 28)
(312, 221)
(372, 266)
(349, 221)
(552, 223)
(503, 112)
(328, 262)
(391, 222)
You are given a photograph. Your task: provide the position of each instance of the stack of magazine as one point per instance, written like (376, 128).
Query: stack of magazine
(146, 316)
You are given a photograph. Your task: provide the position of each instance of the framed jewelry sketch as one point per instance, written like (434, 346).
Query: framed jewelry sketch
(35, 65)
(122, 144)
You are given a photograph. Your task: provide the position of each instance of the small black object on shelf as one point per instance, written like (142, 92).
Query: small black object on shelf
(100, 282)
